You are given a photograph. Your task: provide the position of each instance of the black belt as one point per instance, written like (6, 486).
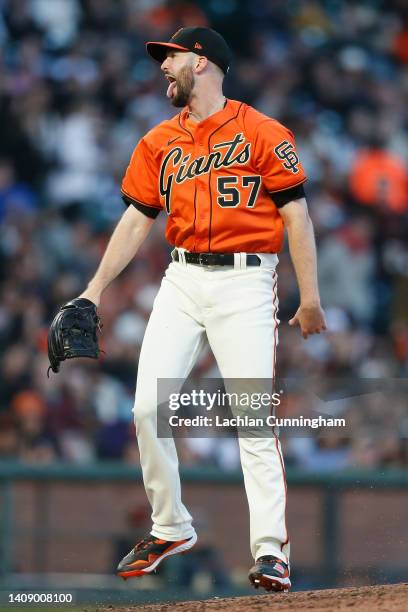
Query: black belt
(214, 259)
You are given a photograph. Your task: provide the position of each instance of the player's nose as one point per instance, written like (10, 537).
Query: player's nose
(164, 64)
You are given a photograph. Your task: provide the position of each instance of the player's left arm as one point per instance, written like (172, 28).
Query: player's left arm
(302, 247)
(283, 175)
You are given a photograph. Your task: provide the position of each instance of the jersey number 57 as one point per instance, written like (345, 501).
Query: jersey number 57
(231, 189)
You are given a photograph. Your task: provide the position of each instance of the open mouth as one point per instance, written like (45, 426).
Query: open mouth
(172, 85)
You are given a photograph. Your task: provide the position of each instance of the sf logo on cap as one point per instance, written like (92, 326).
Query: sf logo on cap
(286, 152)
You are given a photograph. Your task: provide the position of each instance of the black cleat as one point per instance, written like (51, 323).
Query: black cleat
(148, 553)
(270, 573)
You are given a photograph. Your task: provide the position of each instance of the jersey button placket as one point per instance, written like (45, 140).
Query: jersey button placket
(202, 212)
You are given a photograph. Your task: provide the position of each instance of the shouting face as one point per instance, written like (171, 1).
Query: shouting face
(179, 72)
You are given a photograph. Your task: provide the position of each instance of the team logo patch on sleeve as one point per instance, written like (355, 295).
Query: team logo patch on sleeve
(286, 152)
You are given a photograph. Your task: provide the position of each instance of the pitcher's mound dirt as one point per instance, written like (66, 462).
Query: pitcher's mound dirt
(389, 598)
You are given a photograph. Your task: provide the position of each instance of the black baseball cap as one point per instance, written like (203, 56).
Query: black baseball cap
(203, 41)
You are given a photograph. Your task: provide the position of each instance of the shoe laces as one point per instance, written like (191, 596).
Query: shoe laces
(271, 559)
(143, 544)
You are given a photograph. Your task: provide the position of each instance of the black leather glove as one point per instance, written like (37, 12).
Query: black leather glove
(73, 333)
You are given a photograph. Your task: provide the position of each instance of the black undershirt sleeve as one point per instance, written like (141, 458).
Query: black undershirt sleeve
(149, 211)
(287, 195)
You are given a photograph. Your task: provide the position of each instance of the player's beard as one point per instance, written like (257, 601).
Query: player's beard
(185, 85)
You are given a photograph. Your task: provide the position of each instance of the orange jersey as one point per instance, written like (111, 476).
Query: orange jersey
(216, 179)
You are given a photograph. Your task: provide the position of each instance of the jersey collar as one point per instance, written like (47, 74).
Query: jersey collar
(213, 121)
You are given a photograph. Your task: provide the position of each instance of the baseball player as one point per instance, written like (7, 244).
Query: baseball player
(229, 180)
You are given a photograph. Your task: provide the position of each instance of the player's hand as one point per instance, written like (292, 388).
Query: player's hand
(310, 319)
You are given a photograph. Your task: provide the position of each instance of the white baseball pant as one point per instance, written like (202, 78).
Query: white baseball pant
(236, 307)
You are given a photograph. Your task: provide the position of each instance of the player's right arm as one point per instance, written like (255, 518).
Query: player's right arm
(140, 193)
(123, 245)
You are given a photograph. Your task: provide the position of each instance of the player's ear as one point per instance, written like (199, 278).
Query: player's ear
(200, 63)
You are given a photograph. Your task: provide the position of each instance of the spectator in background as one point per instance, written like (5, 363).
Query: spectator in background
(15, 198)
(347, 269)
(379, 178)
(37, 445)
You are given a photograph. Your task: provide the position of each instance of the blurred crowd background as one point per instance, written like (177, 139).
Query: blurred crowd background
(77, 91)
